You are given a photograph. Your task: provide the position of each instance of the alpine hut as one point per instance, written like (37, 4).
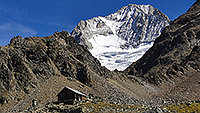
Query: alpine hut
(70, 96)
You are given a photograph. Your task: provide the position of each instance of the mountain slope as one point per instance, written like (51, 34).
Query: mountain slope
(122, 37)
(39, 67)
(27, 63)
(175, 52)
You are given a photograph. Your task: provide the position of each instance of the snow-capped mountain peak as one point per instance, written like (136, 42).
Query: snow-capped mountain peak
(121, 38)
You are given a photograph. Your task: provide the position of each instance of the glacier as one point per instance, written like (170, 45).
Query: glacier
(121, 38)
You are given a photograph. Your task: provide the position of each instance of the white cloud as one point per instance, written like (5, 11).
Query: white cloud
(11, 29)
(17, 29)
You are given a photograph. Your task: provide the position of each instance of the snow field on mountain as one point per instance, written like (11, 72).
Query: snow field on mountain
(106, 49)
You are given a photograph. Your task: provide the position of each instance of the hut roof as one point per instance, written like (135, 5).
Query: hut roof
(75, 91)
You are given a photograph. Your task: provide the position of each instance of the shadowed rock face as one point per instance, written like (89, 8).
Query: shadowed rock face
(175, 51)
(25, 62)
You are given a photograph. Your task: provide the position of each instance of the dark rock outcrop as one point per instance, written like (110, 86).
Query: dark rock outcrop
(175, 51)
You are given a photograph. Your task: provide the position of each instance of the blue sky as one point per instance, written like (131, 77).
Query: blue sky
(44, 17)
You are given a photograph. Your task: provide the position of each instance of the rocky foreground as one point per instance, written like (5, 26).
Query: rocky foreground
(101, 106)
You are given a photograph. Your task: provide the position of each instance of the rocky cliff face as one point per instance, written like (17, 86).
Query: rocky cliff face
(31, 59)
(175, 51)
(120, 38)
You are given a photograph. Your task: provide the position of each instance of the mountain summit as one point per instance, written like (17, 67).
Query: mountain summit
(175, 52)
(122, 37)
